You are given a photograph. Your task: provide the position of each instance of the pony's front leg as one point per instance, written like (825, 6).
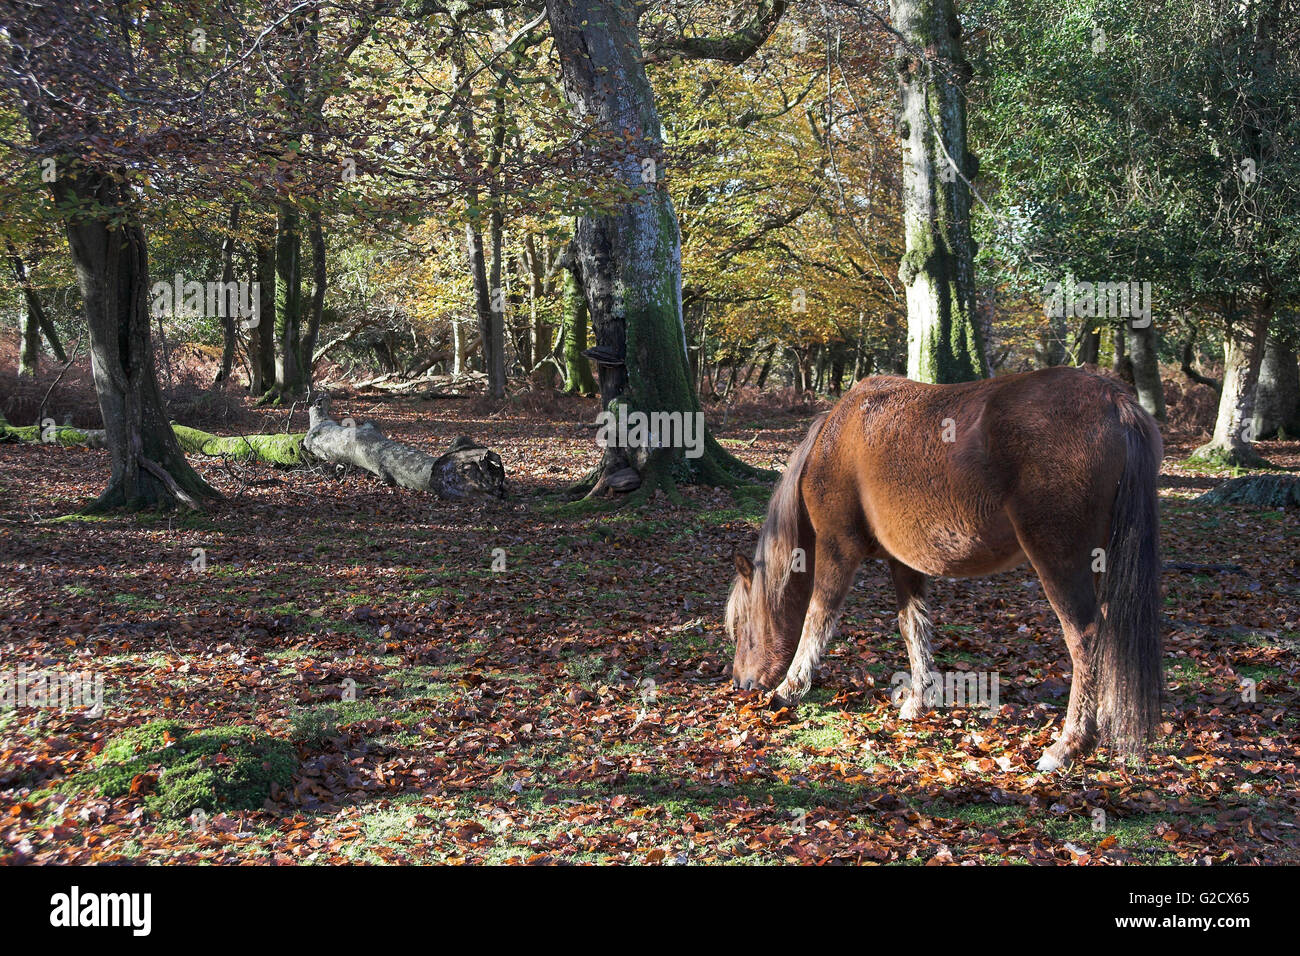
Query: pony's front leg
(836, 562)
(914, 624)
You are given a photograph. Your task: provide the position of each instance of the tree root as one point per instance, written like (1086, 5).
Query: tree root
(1260, 491)
(1221, 456)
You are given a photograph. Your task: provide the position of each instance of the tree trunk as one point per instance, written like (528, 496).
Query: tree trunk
(289, 372)
(307, 350)
(29, 323)
(489, 298)
(1088, 344)
(1243, 354)
(767, 367)
(538, 275)
(1277, 396)
(457, 349)
(1145, 362)
(261, 337)
(111, 257)
(938, 270)
(1120, 362)
(33, 323)
(48, 330)
(1189, 354)
(491, 321)
(228, 313)
(629, 259)
(1050, 350)
(577, 367)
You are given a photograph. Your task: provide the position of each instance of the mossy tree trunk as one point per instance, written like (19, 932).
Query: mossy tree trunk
(938, 271)
(1243, 354)
(629, 259)
(111, 258)
(578, 379)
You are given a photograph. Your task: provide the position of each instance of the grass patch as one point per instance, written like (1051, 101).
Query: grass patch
(178, 771)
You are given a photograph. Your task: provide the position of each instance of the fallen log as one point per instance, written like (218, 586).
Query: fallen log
(50, 434)
(468, 470)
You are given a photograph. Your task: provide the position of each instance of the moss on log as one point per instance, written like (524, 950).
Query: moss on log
(1259, 491)
(272, 449)
(53, 435)
(283, 450)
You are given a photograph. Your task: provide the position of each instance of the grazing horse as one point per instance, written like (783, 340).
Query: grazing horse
(1056, 467)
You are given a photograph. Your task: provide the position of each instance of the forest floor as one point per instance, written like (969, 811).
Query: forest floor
(574, 706)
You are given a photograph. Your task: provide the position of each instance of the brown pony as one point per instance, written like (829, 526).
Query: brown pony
(1057, 467)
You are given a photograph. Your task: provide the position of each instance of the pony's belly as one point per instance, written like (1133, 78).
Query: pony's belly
(944, 552)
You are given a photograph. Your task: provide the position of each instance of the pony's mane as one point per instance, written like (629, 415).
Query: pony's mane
(778, 538)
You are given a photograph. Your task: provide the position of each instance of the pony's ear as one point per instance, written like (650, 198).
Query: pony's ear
(744, 566)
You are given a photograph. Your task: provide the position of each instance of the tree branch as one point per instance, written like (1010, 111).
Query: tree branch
(736, 47)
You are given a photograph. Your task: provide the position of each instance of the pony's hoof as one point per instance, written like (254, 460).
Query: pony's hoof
(784, 696)
(1047, 763)
(911, 709)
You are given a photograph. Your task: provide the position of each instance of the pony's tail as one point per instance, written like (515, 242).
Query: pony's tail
(1128, 651)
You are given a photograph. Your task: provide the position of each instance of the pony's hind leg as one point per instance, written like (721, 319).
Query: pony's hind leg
(1069, 587)
(914, 624)
(836, 561)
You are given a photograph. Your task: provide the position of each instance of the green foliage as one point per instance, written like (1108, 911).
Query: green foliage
(1147, 142)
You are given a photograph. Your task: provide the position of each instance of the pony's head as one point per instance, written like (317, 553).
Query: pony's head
(764, 649)
(770, 593)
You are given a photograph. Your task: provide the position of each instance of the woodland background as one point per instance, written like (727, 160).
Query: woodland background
(438, 201)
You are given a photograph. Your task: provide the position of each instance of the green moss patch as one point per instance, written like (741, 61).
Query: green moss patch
(61, 435)
(273, 449)
(178, 771)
